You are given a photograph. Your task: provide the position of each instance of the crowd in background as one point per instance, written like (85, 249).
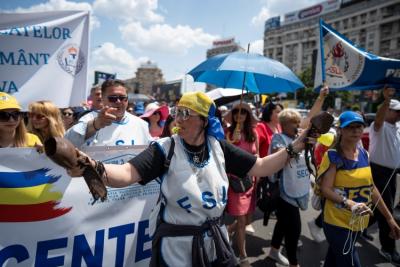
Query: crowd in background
(111, 120)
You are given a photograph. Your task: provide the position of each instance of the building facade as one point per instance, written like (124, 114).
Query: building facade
(223, 46)
(147, 75)
(371, 24)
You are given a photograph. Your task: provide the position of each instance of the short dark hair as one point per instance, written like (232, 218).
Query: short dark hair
(268, 110)
(95, 88)
(111, 83)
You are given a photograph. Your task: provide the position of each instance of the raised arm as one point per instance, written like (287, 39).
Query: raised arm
(271, 164)
(316, 108)
(380, 114)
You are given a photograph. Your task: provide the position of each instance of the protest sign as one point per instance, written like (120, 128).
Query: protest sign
(44, 56)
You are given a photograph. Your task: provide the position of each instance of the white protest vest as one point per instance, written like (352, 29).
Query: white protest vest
(295, 176)
(192, 195)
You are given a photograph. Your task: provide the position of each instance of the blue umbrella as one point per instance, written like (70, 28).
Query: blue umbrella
(258, 73)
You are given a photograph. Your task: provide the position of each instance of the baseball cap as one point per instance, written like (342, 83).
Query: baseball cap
(394, 104)
(8, 101)
(348, 117)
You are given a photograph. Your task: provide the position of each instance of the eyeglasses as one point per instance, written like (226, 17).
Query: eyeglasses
(36, 116)
(68, 114)
(242, 112)
(5, 116)
(185, 114)
(115, 98)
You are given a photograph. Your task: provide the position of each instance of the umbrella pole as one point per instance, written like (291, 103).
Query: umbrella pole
(237, 131)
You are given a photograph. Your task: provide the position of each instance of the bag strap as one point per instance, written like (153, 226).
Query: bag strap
(167, 161)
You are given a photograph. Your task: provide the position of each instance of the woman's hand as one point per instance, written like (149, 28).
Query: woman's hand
(77, 171)
(302, 139)
(358, 208)
(394, 229)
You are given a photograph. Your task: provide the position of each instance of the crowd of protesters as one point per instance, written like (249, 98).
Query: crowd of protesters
(259, 147)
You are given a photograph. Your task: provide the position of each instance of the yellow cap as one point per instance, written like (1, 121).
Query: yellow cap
(326, 139)
(8, 101)
(197, 101)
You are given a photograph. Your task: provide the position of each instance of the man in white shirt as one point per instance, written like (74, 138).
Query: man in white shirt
(112, 125)
(384, 150)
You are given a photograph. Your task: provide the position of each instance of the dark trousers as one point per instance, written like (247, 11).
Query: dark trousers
(336, 237)
(381, 176)
(288, 226)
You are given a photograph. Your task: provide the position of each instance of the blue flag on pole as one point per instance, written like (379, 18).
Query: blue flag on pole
(344, 66)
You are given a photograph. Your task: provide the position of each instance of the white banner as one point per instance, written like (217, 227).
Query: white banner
(44, 56)
(312, 11)
(46, 218)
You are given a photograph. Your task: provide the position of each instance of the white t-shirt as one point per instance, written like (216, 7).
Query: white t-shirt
(384, 147)
(131, 130)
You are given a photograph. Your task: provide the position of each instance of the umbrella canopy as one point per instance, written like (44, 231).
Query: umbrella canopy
(263, 75)
(223, 96)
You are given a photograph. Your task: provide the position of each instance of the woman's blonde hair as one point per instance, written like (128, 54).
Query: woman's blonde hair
(21, 134)
(52, 114)
(289, 115)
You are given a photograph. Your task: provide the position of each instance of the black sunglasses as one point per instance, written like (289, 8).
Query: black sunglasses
(5, 116)
(115, 98)
(68, 114)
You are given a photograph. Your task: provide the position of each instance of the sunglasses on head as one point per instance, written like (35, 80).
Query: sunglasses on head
(6, 116)
(115, 98)
(184, 113)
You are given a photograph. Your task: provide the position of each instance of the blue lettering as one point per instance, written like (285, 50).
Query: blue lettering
(46, 35)
(119, 142)
(45, 57)
(142, 238)
(16, 31)
(224, 195)
(66, 33)
(9, 87)
(120, 232)
(210, 202)
(42, 255)
(56, 33)
(6, 60)
(18, 252)
(21, 58)
(184, 206)
(36, 31)
(81, 250)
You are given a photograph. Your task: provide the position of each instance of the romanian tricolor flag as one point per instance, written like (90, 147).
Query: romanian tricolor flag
(29, 196)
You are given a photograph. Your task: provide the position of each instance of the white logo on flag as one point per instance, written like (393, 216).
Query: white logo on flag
(71, 59)
(343, 64)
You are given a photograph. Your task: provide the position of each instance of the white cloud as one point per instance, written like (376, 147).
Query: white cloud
(112, 59)
(165, 38)
(58, 5)
(129, 10)
(262, 16)
(257, 46)
(273, 8)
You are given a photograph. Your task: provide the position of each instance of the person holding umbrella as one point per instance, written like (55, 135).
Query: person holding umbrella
(194, 187)
(241, 205)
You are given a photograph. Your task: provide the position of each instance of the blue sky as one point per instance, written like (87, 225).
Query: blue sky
(174, 34)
